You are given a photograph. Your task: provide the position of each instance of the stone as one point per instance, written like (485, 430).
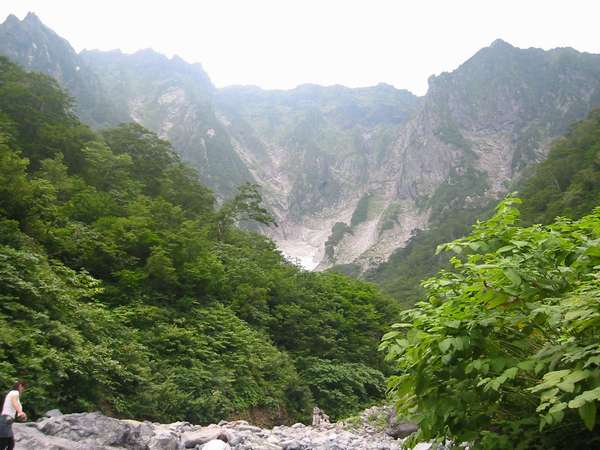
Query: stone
(98, 430)
(53, 413)
(191, 439)
(28, 437)
(93, 431)
(402, 430)
(397, 429)
(319, 418)
(164, 439)
(250, 428)
(215, 444)
(292, 445)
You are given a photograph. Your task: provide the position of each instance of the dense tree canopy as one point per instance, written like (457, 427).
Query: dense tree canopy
(567, 183)
(503, 352)
(125, 288)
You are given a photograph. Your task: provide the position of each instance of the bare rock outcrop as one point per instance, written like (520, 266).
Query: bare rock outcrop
(93, 431)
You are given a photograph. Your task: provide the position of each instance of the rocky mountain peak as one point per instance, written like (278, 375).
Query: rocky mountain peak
(500, 43)
(149, 63)
(11, 20)
(32, 18)
(349, 173)
(32, 27)
(36, 47)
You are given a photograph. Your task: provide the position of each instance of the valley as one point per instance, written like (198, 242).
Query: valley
(380, 161)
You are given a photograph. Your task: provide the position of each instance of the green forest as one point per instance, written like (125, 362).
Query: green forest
(503, 348)
(127, 288)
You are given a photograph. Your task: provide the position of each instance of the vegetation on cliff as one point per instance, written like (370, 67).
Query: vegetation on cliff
(567, 184)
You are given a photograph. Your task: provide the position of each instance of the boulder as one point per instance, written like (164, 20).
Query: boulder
(166, 437)
(292, 445)
(53, 413)
(398, 429)
(98, 430)
(191, 439)
(28, 437)
(93, 431)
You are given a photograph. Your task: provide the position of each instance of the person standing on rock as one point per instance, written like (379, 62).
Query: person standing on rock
(11, 410)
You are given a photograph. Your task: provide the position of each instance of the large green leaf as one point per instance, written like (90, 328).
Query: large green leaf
(587, 412)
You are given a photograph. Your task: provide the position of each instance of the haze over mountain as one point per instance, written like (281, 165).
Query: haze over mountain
(349, 174)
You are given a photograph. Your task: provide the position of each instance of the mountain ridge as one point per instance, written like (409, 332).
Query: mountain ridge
(377, 162)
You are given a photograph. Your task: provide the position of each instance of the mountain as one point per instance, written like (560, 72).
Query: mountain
(168, 96)
(117, 264)
(360, 170)
(350, 174)
(535, 96)
(36, 47)
(314, 150)
(174, 99)
(567, 182)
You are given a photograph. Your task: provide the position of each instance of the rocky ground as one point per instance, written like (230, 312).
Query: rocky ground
(93, 431)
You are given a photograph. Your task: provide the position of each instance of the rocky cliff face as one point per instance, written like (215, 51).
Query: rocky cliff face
(355, 172)
(349, 174)
(175, 100)
(315, 150)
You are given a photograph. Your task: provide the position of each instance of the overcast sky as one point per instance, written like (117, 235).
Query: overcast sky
(283, 43)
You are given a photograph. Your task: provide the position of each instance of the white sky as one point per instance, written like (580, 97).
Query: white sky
(280, 44)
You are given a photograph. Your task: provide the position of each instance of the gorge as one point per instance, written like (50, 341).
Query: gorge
(349, 174)
(144, 287)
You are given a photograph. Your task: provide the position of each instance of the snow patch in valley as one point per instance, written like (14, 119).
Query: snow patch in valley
(304, 242)
(300, 253)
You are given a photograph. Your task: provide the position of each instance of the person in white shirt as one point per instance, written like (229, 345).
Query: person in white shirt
(11, 410)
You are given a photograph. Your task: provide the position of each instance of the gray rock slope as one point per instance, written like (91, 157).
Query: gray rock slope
(349, 174)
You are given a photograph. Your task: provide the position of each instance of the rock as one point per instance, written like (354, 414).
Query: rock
(423, 446)
(236, 423)
(215, 444)
(98, 430)
(53, 413)
(399, 430)
(28, 437)
(319, 417)
(166, 437)
(250, 428)
(402, 430)
(191, 439)
(93, 431)
(292, 445)
(236, 439)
